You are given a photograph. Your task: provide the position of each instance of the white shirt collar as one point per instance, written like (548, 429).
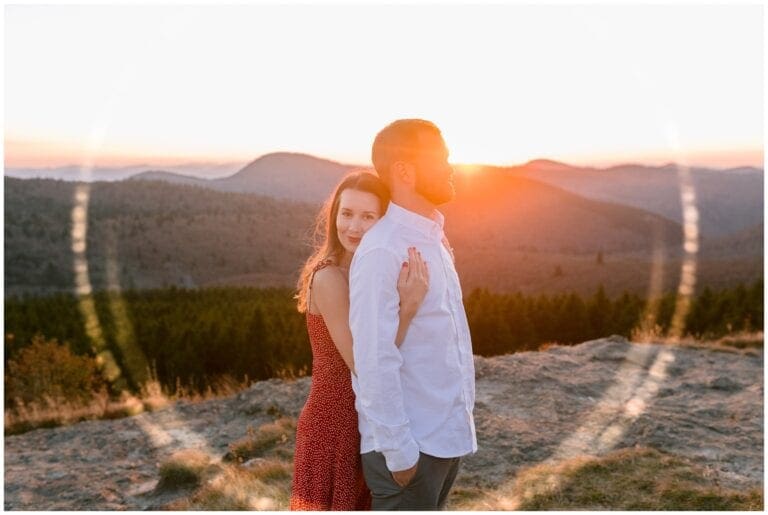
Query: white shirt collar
(429, 227)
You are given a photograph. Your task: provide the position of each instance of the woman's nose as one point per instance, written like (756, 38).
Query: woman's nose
(355, 225)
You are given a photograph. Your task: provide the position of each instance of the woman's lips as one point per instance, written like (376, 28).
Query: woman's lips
(354, 240)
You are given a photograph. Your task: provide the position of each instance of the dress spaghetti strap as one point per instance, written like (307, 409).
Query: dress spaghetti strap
(319, 266)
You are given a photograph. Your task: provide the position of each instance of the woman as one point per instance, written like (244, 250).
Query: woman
(327, 468)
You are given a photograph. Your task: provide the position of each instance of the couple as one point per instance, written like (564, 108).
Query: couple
(389, 412)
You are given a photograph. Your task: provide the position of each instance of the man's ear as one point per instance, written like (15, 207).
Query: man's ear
(403, 172)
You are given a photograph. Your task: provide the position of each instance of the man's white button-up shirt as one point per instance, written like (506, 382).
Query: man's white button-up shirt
(420, 396)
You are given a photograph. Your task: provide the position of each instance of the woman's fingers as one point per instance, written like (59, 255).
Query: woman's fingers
(414, 260)
(421, 269)
(402, 279)
(413, 256)
(416, 270)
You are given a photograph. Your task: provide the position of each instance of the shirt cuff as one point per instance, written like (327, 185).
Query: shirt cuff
(402, 459)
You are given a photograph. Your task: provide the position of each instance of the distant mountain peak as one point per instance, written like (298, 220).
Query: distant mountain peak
(547, 164)
(153, 170)
(637, 166)
(744, 170)
(157, 172)
(164, 175)
(288, 157)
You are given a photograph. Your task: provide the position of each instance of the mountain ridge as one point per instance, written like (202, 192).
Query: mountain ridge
(510, 233)
(537, 163)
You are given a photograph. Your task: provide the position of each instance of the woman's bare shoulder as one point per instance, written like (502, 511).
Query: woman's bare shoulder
(329, 278)
(329, 289)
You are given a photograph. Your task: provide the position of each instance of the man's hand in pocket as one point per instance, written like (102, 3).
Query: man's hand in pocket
(403, 477)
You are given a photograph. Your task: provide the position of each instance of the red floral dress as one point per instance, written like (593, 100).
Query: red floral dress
(328, 473)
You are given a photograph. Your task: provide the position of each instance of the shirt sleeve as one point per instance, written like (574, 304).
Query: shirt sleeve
(373, 320)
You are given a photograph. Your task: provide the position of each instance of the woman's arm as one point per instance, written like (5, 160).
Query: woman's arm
(330, 294)
(412, 285)
(406, 315)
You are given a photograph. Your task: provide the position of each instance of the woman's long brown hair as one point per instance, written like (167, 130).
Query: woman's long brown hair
(326, 237)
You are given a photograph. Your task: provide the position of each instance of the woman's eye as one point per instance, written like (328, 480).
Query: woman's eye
(346, 215)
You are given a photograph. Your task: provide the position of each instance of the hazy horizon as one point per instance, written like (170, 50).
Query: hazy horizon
(716, 160)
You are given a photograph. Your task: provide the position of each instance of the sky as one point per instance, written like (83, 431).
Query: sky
(120, 85)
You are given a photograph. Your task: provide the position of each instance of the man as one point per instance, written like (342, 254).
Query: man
(414, 402)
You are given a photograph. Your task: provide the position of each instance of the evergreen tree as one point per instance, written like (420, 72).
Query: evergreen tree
(599, 312)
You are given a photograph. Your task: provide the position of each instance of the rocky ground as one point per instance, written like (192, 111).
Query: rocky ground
(531, 408)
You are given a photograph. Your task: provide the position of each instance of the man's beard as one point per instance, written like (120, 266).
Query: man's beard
(436, 191)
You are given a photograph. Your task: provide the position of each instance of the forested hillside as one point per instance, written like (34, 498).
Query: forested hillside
(154, 234)
(509, 234)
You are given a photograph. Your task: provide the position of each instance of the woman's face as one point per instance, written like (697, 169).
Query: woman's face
(358, 211)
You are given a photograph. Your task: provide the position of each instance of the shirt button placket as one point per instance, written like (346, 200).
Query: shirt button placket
(451, 300)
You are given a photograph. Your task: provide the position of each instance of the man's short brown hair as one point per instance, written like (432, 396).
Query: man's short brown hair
(399, 141)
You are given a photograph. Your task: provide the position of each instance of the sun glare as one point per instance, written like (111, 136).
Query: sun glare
(467, 169)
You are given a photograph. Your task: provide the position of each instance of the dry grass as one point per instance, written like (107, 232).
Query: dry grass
(270, 470)
(626, 479)
(54, 412)
(258, 442)
(548, 345)
(744, 343)
(240, 488)
(248, 483)
(750, 344)
(184, 469)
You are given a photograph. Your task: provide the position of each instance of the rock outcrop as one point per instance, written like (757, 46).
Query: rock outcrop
(531, 407)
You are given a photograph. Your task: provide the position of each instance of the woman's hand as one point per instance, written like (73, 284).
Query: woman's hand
(413, 283)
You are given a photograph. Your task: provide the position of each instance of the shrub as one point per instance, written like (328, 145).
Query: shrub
(48, 369)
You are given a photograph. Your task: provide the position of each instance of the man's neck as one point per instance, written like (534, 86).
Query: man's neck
(415, 203)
